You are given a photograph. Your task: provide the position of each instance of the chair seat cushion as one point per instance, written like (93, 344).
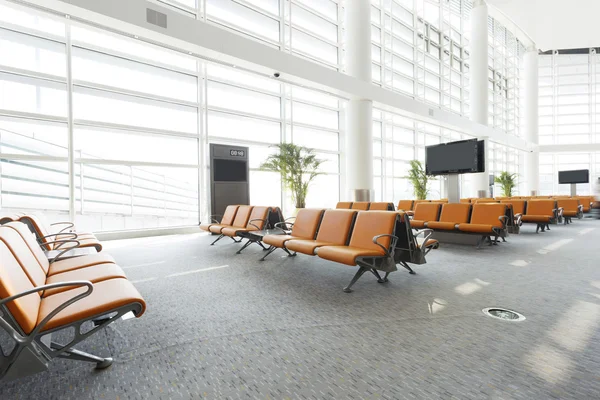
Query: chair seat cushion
(476, 228)
(205, 227)
(74, 263)
(536, 218)
(106, 297)
(278, 240)
(570, 213)
(417, 224)
(232, 231)
(306, 246)
(446, 226)
(95, 273)
(347, 255)
(217, 228)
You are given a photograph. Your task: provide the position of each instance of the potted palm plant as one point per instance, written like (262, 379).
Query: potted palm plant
(298, 166)
(507, 182)
(419, 180)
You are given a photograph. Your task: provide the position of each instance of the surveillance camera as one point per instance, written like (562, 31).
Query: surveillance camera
(276, 74)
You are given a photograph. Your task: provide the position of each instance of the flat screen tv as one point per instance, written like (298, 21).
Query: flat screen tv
(574, 176)
(229, 170)
(462, 157)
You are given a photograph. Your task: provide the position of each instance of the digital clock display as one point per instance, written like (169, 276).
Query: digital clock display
(237, 153)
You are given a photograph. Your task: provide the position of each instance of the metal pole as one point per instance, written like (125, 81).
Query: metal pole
(71, 144)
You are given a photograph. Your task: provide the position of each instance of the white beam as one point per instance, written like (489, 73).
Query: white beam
(570, 148)
(206, 40)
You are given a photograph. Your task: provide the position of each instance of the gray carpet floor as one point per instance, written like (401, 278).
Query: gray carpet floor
(225, 326)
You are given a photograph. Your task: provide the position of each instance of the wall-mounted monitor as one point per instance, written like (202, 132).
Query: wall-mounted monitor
(462, 157)
(574, 176)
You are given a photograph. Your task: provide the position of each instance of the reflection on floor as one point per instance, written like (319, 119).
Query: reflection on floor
(221, 325)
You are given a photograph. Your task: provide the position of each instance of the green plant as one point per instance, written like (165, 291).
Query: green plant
(419, 179)
(507, 181)
(298, 166)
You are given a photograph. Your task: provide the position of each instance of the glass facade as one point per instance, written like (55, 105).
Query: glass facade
(139, 117)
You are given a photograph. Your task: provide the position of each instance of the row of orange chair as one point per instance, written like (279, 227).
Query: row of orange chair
(365, 206)
(53, 236)
(372, 240)
(39, 297)
(485, 220)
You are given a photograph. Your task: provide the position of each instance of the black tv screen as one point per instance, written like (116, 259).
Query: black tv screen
(465, 156)
(575, 176)
(229, 170)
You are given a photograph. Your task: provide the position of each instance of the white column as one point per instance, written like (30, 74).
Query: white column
(532, 159)
(479, 80)
(359, 112)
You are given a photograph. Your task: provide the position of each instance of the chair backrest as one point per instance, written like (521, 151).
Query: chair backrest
(405, 205)
(371, 224)
(336, 225)
(242, 216)
(517, 205)
(31, 242)
(541, 207)
(442, 201)
(21, 252)
(229, 215)
(419, 202)
(483, 199)
(258, 217)
(360, 205)
(568, 204)
(457, 213)
(465, 201)
(307, 223)
(5, 219)
(13, 280)
(488, 214)
(344, 205)
(381, 206)
(38, 226)
(487, 201)
(427, 211)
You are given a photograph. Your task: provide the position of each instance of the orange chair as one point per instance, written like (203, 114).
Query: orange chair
(425, 212)
(360, 205)
(586, 202)
(50, 238)
(344, 205)
(240, 221)
(381, 206)
(305, 226)
(334, 231)
(570, 208)
(405, 205)
(226, 220)
(542, 213)
(487, 220)
(415, 203)
(371, 245)
(452, 215)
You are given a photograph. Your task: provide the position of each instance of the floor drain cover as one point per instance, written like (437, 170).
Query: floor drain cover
(503, 314)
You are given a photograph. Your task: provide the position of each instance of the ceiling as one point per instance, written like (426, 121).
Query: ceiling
(555, 24)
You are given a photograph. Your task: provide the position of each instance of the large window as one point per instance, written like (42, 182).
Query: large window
(142, 117)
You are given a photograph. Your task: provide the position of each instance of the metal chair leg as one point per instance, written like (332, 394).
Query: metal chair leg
(248, 243)
(271, 249)
(379, 278)
(217, 239)
(405, 265)
(359, 273)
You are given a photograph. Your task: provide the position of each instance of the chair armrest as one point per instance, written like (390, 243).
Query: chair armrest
(423, 231)
(518, 218)
(70, 225)
(392, 243)
(58, 309)
(58, 257)
(504, 220)
(264, 221)
(68, 235)
(284, 223)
